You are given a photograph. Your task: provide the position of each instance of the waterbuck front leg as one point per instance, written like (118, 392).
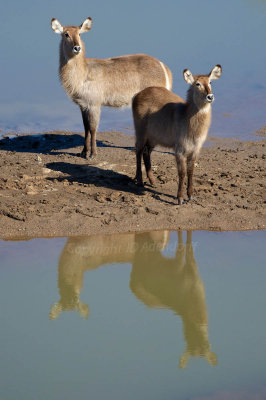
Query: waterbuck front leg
(181, 167)
(180, 249)
(91, 118)
(138, 177)
(190, 169)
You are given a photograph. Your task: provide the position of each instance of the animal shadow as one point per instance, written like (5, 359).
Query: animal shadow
(49, 143)
(99, 177)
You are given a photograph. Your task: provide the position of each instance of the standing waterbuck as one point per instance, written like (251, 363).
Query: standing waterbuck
(163, 118)
(92, 83)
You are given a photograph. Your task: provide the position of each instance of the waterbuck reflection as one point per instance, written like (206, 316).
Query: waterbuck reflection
(158, 281)
(175, 284)
(88, 253)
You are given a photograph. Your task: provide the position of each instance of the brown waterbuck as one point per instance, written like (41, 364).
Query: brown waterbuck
(92, 83)
(163, 118)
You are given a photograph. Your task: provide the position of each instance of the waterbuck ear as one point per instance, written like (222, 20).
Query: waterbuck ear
(86, 25)
(215, 72)
(211, 357)
(55, 311)
(84, 310)
(188, 76)
(184, 359)
(56, 26)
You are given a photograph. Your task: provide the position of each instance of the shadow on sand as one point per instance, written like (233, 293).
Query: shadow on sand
(108, 178)
(49, 143)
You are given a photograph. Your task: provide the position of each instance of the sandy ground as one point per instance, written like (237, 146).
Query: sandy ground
(46, 190)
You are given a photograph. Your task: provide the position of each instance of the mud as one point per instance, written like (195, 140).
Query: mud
(46, 190)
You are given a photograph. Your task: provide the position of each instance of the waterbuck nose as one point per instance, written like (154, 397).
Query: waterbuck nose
(76, 49)
(210, 97)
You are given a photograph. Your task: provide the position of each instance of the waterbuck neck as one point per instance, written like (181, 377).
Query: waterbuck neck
(72, 70)
(198, 115)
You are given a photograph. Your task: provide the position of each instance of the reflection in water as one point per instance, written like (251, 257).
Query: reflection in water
(175, 284)
(156, 280)
(87, 253)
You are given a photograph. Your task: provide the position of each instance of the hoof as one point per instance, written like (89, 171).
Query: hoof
(83, 154)
(152, 183)
(190, 198)
(138, 183)
(180, 201)
(152, 180)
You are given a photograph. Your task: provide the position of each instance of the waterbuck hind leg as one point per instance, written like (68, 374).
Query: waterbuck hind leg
(189, 250)
(90, 121)
(147, 161)
(181, 167)
(138, 177)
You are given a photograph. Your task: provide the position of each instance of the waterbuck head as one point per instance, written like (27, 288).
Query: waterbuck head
(200, 91)
(71, 41)
(69, 289)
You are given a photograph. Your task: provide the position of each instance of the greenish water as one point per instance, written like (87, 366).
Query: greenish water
(158, 315)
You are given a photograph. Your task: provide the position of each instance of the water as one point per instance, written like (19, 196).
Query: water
(180, 34)
(134, 316)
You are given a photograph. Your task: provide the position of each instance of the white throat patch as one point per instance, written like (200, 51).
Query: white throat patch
(205, 109)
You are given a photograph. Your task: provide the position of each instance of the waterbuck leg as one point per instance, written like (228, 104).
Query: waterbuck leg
(147, 161)
(181, 167)
(180, 249)
(190, 169)
(189, 248)
(138, 177)
(86, 123)
(90, 121)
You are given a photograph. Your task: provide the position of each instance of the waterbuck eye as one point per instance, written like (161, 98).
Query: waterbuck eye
(198, 84)
(67, 35)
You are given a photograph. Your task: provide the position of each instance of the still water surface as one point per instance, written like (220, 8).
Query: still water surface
(158, 315)
(195, 35)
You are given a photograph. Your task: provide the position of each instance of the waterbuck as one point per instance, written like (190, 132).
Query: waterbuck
(92, 83)
(163, 118)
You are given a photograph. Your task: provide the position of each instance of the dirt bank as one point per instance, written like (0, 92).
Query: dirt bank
(46, 190)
